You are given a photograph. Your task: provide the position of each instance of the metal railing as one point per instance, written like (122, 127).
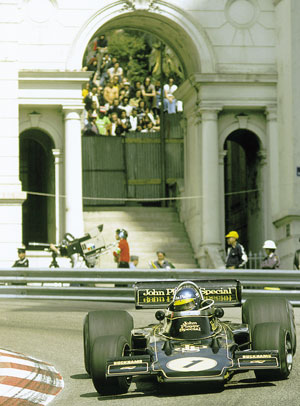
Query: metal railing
(255, 260)
(115, 285)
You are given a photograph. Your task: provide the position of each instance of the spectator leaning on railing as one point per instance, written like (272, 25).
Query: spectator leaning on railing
(103, 122)
(109, 86)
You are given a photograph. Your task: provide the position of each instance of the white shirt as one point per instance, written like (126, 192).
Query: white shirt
(112, 71)
(127, 108)
(113, 128)
(133, 122)
(170, 90)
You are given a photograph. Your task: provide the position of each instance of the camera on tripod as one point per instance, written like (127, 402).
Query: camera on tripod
(89, 247)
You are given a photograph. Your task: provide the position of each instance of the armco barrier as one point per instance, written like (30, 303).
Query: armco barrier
(104, 284)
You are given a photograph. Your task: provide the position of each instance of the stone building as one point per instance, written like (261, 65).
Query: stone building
(240, 100)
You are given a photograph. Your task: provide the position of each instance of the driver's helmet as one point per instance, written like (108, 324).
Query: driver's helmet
(186, 299)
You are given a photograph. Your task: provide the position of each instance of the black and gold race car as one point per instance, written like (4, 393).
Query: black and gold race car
(190, 342)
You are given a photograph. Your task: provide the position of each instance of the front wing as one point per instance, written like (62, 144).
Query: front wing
(243, 360)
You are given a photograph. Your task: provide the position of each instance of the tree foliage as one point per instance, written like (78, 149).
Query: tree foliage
(139, 54)
(132, 51)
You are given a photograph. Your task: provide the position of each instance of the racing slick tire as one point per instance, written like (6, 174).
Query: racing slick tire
(101, 323)
(105, 348)
(272, 336)
(270, 310)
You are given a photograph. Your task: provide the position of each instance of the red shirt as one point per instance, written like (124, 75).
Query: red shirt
(124, 255)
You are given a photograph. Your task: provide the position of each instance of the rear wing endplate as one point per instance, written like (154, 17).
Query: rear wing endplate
(159, 294)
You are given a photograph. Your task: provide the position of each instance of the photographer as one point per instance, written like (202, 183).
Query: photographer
(81, 251)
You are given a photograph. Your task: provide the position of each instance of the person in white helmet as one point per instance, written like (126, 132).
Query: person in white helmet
(271, 260)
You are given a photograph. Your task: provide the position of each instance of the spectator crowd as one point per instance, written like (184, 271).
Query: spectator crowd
(114, 105)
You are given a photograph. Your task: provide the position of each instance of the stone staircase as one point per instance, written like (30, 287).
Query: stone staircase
(149, 229)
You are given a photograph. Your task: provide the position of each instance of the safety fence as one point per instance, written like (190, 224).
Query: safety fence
(113, 285)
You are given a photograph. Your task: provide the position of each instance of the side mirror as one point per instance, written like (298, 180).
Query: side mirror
(219, 312)
(159, 315)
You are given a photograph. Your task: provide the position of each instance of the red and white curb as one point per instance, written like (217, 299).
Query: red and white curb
(25, 381)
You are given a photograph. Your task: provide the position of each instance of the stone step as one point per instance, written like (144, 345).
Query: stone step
(106, 216)
(167, 245)
(150, 229)
(137, 226)
(133, 211)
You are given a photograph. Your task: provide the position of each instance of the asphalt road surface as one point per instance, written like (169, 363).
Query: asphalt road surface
(52, 331)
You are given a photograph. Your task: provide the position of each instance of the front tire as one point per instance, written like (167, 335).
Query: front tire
(272, 336)
(101, 323)
(270, 310)
(105, 348)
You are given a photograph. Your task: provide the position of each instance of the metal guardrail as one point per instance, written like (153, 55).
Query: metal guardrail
(115, 285)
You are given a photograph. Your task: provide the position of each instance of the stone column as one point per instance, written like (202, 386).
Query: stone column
(73, 172)
(273, 161)
(210, 177)
(222, 232)
(192, 185)
(57, 161)
(11, 195)
(265, 215)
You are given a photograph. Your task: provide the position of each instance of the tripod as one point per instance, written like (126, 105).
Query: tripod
(54, 263)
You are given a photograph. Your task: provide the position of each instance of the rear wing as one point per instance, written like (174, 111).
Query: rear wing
(159, 294)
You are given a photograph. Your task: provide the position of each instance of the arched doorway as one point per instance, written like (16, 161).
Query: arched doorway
(140, 167)
(37, 176)
(243, 194)
(169, 23)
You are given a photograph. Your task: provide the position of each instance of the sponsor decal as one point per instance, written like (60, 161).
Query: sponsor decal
(257, 356)
(191, 364)
(189, 326)
(209, 292)
(136, 361)
(154, 292)
(188, 348)
(156, 296)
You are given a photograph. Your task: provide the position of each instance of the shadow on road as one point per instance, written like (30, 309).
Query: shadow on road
(247, 383)
(80, 376)
(143, 386)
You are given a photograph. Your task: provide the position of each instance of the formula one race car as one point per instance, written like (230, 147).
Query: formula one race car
(190, 342)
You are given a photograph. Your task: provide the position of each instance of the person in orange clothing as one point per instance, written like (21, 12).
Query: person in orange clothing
(122, 253)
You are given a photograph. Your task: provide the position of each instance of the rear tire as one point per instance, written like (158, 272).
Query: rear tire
(270, 310)
(272, 336)
(101, 323)
(105, 348)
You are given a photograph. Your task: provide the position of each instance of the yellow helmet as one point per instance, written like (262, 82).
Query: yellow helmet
(232, 234)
